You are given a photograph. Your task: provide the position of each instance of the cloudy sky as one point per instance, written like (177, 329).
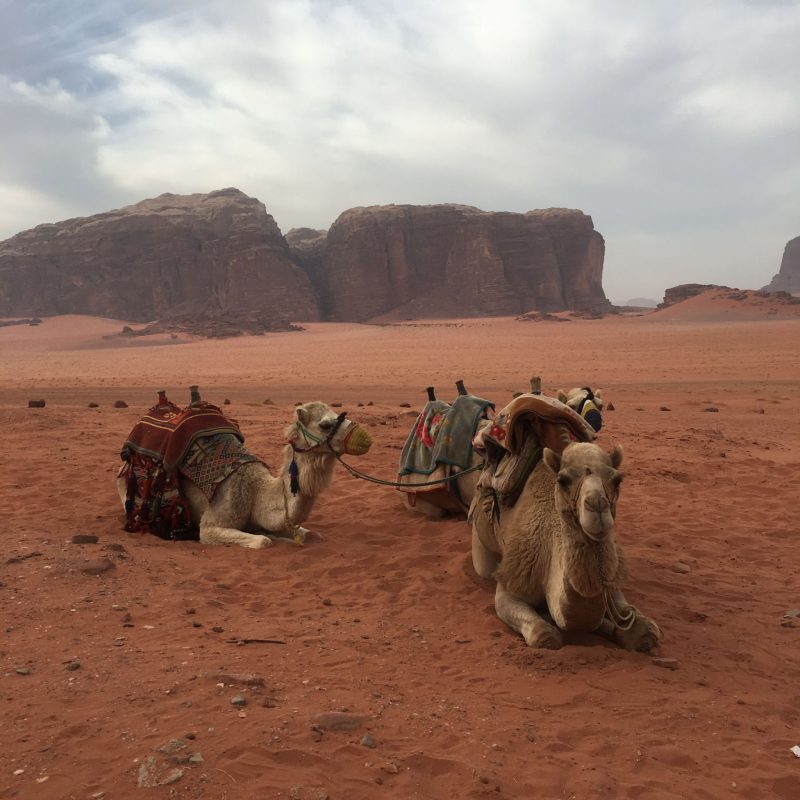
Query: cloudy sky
(674, 123)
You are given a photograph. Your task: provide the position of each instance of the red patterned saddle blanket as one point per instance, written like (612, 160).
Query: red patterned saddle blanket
(198, 442)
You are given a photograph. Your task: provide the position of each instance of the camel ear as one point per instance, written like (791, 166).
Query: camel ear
(562, 396)
(598, 394)
(303, 415)
(552, 459)
(616, 456)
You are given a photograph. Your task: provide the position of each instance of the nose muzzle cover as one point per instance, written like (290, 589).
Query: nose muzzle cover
(356, 441)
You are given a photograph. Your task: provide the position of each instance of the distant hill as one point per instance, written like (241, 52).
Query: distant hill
(788, 277)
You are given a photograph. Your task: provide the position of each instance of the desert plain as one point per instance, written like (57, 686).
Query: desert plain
(381, 616)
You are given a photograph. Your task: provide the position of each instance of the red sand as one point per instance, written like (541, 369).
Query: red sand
(385, 617)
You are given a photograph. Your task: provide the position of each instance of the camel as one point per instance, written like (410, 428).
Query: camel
(252, 499)
(439, 504)
(554, 551)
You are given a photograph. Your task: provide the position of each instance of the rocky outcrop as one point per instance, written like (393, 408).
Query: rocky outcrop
(677, 294)
(172, 255)
(788, 277)
(452, 260)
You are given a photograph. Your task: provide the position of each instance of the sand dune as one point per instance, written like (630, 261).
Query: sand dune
(384, 618)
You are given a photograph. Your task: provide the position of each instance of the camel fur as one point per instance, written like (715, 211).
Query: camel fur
(252, 499)
(551, 552)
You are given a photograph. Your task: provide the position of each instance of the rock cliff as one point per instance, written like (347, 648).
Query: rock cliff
(788, 277)
(174, 254)
(452, 260)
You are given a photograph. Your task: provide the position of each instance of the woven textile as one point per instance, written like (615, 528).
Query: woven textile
(212, 459)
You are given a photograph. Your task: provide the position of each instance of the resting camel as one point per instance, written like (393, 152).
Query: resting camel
(252, 499)
(554, 551)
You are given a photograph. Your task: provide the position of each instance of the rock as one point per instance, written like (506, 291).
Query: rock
(130, 263)
(681, 568)
(665, 408)
(94, 405)
(405, 405)
(196, 758)
(666, 663)
(390, 768)
(22, 671)
(792, 612)
(788, 277)
(97, 567)
(452, 260)
(226, 402)
(71, 666)
(269, 402)
(84, 538)
(218, 629)
(610, 407)
(327, 601)
(234, 678)
(36, 404)
(173, 747)
(712, 409)
(338, 721)
(148, 773)
(240, 701)
(677, 294)
(336, 405)
(116, 547)
(173, 776)
(120, 404)
(368, 741)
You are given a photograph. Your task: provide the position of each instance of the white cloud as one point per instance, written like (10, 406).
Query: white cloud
(663, 121)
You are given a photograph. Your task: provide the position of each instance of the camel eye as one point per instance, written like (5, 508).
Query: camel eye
(326, 424)
(616, 481)
(563, 480)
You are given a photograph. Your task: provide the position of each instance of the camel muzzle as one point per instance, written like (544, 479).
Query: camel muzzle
(357, 441)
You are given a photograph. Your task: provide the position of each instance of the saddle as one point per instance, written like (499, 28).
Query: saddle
(513, 444)
(198, 442)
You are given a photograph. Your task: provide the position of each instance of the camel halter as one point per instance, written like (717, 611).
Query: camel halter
(589, 411)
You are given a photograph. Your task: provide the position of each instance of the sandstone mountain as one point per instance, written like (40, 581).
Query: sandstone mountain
(174, 254)
(222, 253)
(788, 277)
(452, 260)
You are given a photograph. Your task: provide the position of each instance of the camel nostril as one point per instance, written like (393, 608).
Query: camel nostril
(596, 503)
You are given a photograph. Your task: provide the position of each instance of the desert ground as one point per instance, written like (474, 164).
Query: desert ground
(383, 617)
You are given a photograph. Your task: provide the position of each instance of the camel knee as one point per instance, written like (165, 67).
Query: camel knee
(484, 561)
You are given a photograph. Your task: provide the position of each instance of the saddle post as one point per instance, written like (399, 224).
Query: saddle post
(536, 384)
(431, 394)
(194, 392)
(461, 388)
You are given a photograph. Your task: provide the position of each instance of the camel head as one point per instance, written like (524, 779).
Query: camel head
(318, 428)
(585, 402)
(587, 486)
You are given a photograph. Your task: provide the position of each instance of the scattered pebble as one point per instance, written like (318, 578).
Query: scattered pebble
(239, 701)
(390, 768)
(218, 629)
(666, 663)
(681, 568)
(18, 771)
(191, 611)
(405, 405)
(71, 666)
(35, 403)
(665, 408)
(94, 405)
(792, 612)
(712, 409)
(197, 624)
(84, 538)
(610, 407)
(120, 404)
(338, 721)
(226, 402)
(269, 402)
(22, 671)
(368, 741)
(196, 758)
(327, 602)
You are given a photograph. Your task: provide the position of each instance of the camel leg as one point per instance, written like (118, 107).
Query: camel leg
(423, 507)
(216, 534)
(643, 635)
(519, 616)
(483, 560)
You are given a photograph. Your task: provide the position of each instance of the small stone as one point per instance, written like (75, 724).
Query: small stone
(226, 402)
(36, 404)
(173, 746)
(368, 741)
(218, 629)
(327, 602)
(269, 402)
(665, 408)
(269, 702)
(191, 611)
(84, 538)
(336, 405)
(94, 405)
(115, 547)
(681, 568)
(338, 721)
(239, 701)
(120, 404)
(787, 623)
(191, 735)
(197, 624)
(22, 671)
(390, 768)
(405, 405)
(610, 407)
(196, 758)
(666, 663)
(483, 779)
(97, 567)
(71, 666)
(171, 777)
(712, 410)
(792, 612)
(370, 403)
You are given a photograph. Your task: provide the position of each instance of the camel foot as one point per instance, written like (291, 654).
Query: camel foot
(543, 637)
(641, 638)
(257, 542)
